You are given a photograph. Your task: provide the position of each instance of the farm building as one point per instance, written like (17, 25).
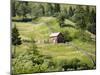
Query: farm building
(56, 38)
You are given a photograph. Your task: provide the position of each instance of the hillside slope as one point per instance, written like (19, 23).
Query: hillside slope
(42, 27)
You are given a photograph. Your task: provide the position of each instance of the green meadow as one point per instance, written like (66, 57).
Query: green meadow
(41, 31)
(72, 46)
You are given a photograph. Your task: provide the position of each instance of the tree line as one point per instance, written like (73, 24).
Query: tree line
(83, 16)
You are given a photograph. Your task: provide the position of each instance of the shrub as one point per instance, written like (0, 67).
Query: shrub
(84, 66)
(27, 62)
(67, 36)
(22, 64)
(83, 36)
(73, 64)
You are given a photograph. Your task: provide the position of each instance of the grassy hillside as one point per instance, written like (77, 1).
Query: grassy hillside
(41, 28)
(33, 48)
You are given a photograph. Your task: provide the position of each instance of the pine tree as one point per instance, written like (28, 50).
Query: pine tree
(71, 11)
(92, 22)
(81, 23)
(22, 8)
(57, 8)
(16, 40)
(93, 16)
(25, 8)
(33, 47)
(49, 9)
(87, 9)
(42, 10)
(61, 19)
(79, 18)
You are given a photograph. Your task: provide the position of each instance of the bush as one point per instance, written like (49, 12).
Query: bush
(67, 36)
(84, 66)
(22, 64)
(83, 36)
(27, 62)
(92, 28)
(75, 64)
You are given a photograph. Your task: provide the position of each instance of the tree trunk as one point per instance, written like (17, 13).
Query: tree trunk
(14, 53)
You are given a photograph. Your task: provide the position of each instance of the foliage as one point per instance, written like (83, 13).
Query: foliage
(83, 16)
(13, 8)
(67, 36)
(33, 48)
(48, 18)
(16, 40)
(80, 18)
(92, 22)
(61, 19)
(70, 12)
(92, 28)
(22, 64)
(20, 8)
(75, 64)
(83, 36)
(49, 9)
(30, 61)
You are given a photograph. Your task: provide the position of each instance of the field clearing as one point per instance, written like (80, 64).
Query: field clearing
(41, 31)
(62, 51)
(58, 52)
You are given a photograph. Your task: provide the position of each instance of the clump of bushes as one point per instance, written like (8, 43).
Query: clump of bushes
(67, 36)
(83, 36)
(73, 64)
(30, 61)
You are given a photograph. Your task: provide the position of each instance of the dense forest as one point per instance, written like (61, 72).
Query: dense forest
(33, 22)
(83, 16)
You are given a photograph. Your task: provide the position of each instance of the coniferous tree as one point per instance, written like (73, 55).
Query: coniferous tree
(93, 16)
(81, 23)
(87, 9)
(61, 19)
(71, 11)
(33, 47)
(57, 8)
(87, 14)
(43, 10)
(39, 10)
(49, 9)
(79, 18)
(64, 12)
(25, 8)
(92, 22)
(22, 9)
(16, 40)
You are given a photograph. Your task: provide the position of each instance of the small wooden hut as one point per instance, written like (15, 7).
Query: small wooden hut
(56, 38)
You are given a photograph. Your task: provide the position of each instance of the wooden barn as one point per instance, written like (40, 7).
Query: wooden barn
(56, 38)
